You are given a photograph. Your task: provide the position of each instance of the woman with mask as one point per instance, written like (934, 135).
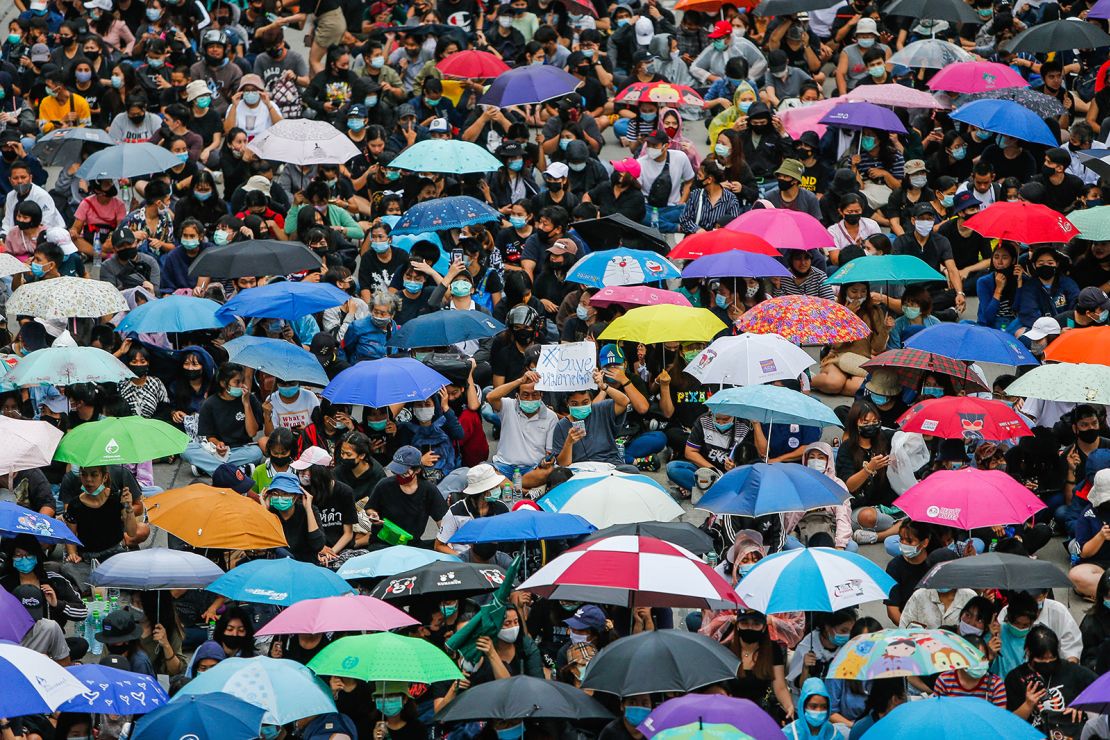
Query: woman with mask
(621, 194)
(1045, 290)
(853, 228)
(830, 526)
(356, 467)
(398, 713)
(813, 722)
(145, 393)
(234, 632)
(917, 314)
(861, 463)
(329, 424)
(279, 447)
(232, 159)
(886, 695)
(510, 653)
(97, 215)
(299, 517)
(1042, 688)
(816, 651)
(998, 288)
(710, 203)
(290, 406)
(913, 189)
(162, 632)
(761, 677)
(951, 158)
(682, 399)
(513, 181)
(202, 202)
(228, 422)
(841, 368)
(1095, 629)
(25, 565)
(1007, 634)
(333, 500)
(510, 240)
(977, 681)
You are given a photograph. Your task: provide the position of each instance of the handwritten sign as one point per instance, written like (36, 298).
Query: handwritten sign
(567, 367)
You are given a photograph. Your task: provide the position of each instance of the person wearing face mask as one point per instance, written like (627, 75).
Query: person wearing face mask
(717, 442)
(527, 426)
(978, 682)
(23, 190)
(925, 243)
(289, 406)
(510, 653)
(908, 567)
(790, 195)
(1041, 689)
(813, 721)
(1063, 190)
(481, 498)
(284, 71)
(1046, 291)
(175, 266)
(98, 509)
(1092, 308)
(783, 80)
(1092, 537)
(587, 630)
(710, 64)
(134, 125)
(251, 108)
(851, 69)
(287, 499)
(816, 651)
(713, 201)
(406, 499)
(145, 394)
(665, 179)
(513, 181)
(97, 214)
(25, 567)
(215, 68)
(127, 267)
(435, 434)
(228, 422)
(589, 431)
(805, 279)
(830, 526)
(931, 608)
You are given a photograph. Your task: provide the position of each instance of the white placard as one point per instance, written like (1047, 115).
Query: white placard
(567, 367)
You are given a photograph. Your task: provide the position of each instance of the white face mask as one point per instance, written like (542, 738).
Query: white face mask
(752, 291)
(509, 634)
(817, 463)
(424, 413)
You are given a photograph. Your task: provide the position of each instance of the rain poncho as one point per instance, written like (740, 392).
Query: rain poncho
(732, 114)
(678, 141)
(799, 729)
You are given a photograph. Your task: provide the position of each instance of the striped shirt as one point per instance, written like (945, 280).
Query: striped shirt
(700, 212)
(813, 284)
(990, 687)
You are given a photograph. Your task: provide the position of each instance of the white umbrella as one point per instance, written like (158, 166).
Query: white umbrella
(612, 498)
(10, 265)
(303, 141)
(930, 54)
(27, 444)
(749, 359)
(1065, 382)
(33, 683)
(64, 363)
(66, 297)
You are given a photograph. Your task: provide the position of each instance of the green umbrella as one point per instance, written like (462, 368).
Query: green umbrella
(885, 268)
(384, 656)
(699, 731)
(487, 622)
(115, 441)
(1093, 223)
(1065, 382)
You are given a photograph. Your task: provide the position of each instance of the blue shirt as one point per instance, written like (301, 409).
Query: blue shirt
(786, 438)
(1086, 527)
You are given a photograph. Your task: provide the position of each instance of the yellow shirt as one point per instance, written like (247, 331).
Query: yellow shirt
(52, 112)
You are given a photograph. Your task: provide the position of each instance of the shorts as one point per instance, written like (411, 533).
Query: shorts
(330, 28)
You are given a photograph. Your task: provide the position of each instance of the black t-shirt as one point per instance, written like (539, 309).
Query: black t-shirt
(413, 307)
(752, 687)
(372, 265)
(361, 486)
(304, 545)
(906, 575)
(1062, 197)
(966, 250)
(689, 402)
(207, 126)
(1023, 167)
(98, 529)
(226, 421)
(1062, 685)
(293, 650)
(338, 510)
(506, 360)
(511, 246)
(876, 489)
(410, 512)
(629, 203)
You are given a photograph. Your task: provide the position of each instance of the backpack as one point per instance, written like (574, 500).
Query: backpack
(660, 192)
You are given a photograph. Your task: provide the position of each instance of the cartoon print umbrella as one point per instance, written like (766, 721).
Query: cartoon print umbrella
(440, 580)
(663, 93)
(443, 214)
(621, 267)
(893, 653)
(964, 417)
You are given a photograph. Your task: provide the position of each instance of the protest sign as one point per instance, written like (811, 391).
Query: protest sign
(567, 367)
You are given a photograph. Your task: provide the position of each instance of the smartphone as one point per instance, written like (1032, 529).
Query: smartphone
(579, 424)
(456, 255)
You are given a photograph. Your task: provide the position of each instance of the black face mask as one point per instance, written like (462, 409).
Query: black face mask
(749, 636)
(141, 371)
(282, 461)
(1045, 272)
(235, 642)
(126, 255)
(1047, 668)
(555, 187)
(786, 185)
(1087, 436)
(137, 120)
(869, 431)
(92, 55)
(1048, 171)
(193, 374)
(523, 336)
(852, 218)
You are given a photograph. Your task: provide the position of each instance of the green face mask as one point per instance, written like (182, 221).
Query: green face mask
(580, 412)
(448, 610)
(281, 503)
(690, 354)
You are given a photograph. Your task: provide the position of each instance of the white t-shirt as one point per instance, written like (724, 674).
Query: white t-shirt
(296, 413)
(681, 171)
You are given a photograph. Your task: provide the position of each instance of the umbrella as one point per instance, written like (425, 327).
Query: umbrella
(1100, 10)
(918, 652)
(631, 571)
(337, 614)
(956, 11)
(174, 313)
(659, 661)
(771, 488)
(975, 77)
(254, 258)
(66, 364)
(712, 709)
(279, 582)
(523, 525)
(996, 570)
(441, 328)
(33, 683)
(277, 357)
(585, 7)
(219, 518)
(1093, 223)
(885, 268)
(126, 160)
(950, 718)
(64, 145)
(1064, 382)
(203, 717)
(379, 383)
(804, 319)
(969, 499)
(621, 267)
(790, 7)
(66, 298)
(27, 444)
(804, 118)
(1068, 34)
(964, 417)
(1091, 345)
(10, 264)
(451, 156)
(616, 230)
(284, 688)
(443, 214)
(683, 534)
(529, 85)
(910, 364)
(390, 561)
(783, 228)
(471, 63)
(16, 520)
(930, 54)
(15, 620)
(384, 656)
(440, 580)
(1043, 105)
(637, 295)
(863, 115)
(282, 300)
(735, 264)
(893, 95)
(718, 241)
(156, 569)
(113, 691)
(120, 441)
(1005, 117)
(815, 579)
(524, 698)
(1029, 223)
(972, 344)
(1096, 697)
(749, 359)
(487, 621)
(651, 324)
(662, 93)
(605, 499)
(772, 404)
(303, 141)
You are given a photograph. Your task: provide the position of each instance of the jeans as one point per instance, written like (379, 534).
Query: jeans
(664, 219)
(1067, 514)
(1052, 502)
(507, 470)
(643, 445)
(194, 454)
(681, 473)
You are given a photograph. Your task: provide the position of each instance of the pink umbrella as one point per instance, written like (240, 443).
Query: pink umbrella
(347, 613)
(784, 229)
(637, 295)
(893, 95)
(974, 77)
(805, 117)
(969, 499)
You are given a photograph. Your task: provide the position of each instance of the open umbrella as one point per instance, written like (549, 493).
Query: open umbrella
(66, 298)
(863, 115)
(1070, 33)
(712, 709)
(66, 364)
(254, 258)
(771, 488)
(112, 691)
(120, 441)
(65, 144)
(894, 95)
(277, 357)
(203, 717)
(337, 614)
(772, 404)
(885, 268)
(637, 295)
(804, 118)
(1064, 382)
(10, 265)
(471, 63)
(661, 93)
(996, 570)
(156, 569)
(1043, 105)
(683, 534)
(910, 364)
(1005, 117)
(621, 267)
(27, 444)
(749, 359)
(652, 324)
(815, 579)
(280, 582)
(16, 520)
(390, 561)
(15, 620)
(218, 518)
(126, 160)
(379, 383)
(617, 230)
(964, 417)
(974, 77)
(529, 85)
(523, 525)
(955, 11)
(973, 344)
(523, 697)
(951, 718)
(605, 499)
(1093, 223)
(1096, 697)
(282, 300)
(718, 241)
(441, 328)
(303, 141)
(33, 683)
(440, 580)
(735, 264)
(442, 214)
(451, 156)
(916, 652)
(969, 499)
(1029, 223)
(660, 661)
(284, 688)
(174, 313)
(790, 7)
(1091, 344)
(929, 54)
(384, 656)
(783, 228)
(804, 319)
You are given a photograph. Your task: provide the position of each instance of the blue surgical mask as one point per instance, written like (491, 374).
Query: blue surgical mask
(251, 97)
(744, 105)
(516, 165)
(518, 222)
(190, 244)
(932, 391)
(580, 412)
(1103, 315)
(202, 195)
(155, 62)
(371, 101)
(378, 426)
(1106, 603)
(878, 398)
(746, 569)
(721, 301)
(720, 44)
(1003, 141)
(432, 103)
(82, 76)
(461, 288)
(908, 551)
(840, 640)
(622, 22)
(635, 716)
(377, 62)
(588, 53)
(270, 732)
(25, 564)
(959, 153)
(582, 313)
(219, 238)
(288, 391)
(816, 718)
(235, 391)
(866, 43)
(649, 117)
(153, 14)
(529, 407)
(117, 81)
(379, 247)
(511, 733)
(722, 427)
(564, 143)
(281, 503)
(413, 286)
(867, 143)
(947, 200)
(355, 124)
(36, 269)
(722, 150)
(911, 312)
(390, 706)
(182, 157)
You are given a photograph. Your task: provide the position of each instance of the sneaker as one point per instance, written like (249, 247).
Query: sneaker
(865, 537)
(195, 471)
(648, 463)
(679, 493)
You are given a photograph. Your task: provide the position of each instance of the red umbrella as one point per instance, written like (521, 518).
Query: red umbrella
(910, 364)
(720, 240)
(958, 417)
(472, 63)
(663, 93)
(581, 7)
(1028, 223)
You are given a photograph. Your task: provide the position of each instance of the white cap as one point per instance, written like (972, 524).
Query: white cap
(482, 478)
(867, 25)
(644, 30)
(439, 124)
(1042, 327)
(105, 5)
(556, 170)
(311, 456)
(38, 4)
(1100, 488)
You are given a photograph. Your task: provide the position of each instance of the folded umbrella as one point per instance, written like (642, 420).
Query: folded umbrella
(379, 383)
(771, 488)
(337, 614)
(218, 518)
(863, 115)
(204, 717)
(16, 520)
(617, 230)
(174, 313)
(126, 160)
(33, 683)
(749, 359)
(471, 63)
(612, 498)
(735, 264)
(452, 156)
(996, 570)
(969, 499)
(523, 698)
(652, 324)
(621, 267)
(442, 328)
(303, 141)
(956, 11)
(804, 319)
(254, 258)
(67, 298)
(974, 77)
(683, 534)
(1005, 117)
(156, 569)
(390, 561)
(1067, 34)
(15, 620)
(122, 440)
(910, 364)
(27, 444)
(718, 241)
(783, 228)
(658, 662)
(772, 404)
(919, 652)
(712, 709)
(113, 691)
(443, 214)
(529, 85)
(280, 582)
(384, 656)
(894, 95)
(637, 295)
(282, 300)
(524, 525)
(973, 344)
(277, 357)
(65, 144)
(1029, 223)
(886, 268)
(439, 580)
(815, 579)
(950, 717)
(1064, 382)
(928, 54)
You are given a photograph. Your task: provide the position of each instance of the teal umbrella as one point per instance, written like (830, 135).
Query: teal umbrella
(885, 268)
(772, 404)
(67, 365)
(1093, 223)
(446, 155)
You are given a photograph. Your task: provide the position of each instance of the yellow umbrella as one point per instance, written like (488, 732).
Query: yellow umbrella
(220, 518)
(664, 323)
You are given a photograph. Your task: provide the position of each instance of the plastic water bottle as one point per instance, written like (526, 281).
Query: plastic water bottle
(96, 617)
(654, 217)
(518, 485)
(620, 448)
(211, 628)
(711, 559)
(97, 255)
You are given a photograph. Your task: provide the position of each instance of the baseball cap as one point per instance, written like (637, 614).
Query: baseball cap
(924, 209)
(628, 164)
(556, 170)
(867, 25)
(32, 599)
(439, 125)
(233, 477)
(404, 459)
(658, 137)
(404, 110)
(196, 89)
(588, 617)
(564, 245)
(914, 166)
(1092, 298)
(482, 478)
(964, 201)
(121, 236)
(119, 626)
(577, 151)
(1100, 489)
(99, 5)
(1043, 327)
(792, 168)
(40, 53)
(610, 354)
(720, 30)
(251, 80)
(644, 30)
(358, 110)
(776, 61)
(286, 483)
(311, 456)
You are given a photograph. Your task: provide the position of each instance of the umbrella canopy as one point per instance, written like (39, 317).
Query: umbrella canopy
(126, 160)
(384, 656)
(885, 268)
(440, 580)
(863, 115)
(277, 357)
(280, 582)
(621, 267)
(930, 54)
(480, 65)
(955, 11)
(10, 264)
(284, 688)
(1064, 382)
(804, 118)
(804, 319)
(1071, 33)
(1100, 10)
(219, 518)
(15, 620)
(617, 230)
(1029, 223)
(1093, 223)
(749, 359)
(969, 499)
(379, 383)
(659, 661)
(65, 144)
(1096, 697)
(661, 93)
(815, 579)
(772, 404)
(996, 570)
(1043, 105)
(631, 571)
(112, 691)
(637, 295)
(174, 313)
(910, 364)
(612, 498)
(66, 364)
(282, 300)
(1091, 345)
(443, 214)
(771, 488)
(16, 520)
(337, 614)
(33, 683)
(451, 156)
(683, 534)
(964, 417)
(390, 561)
(949, 717)
(441, 328)
(66, 298)
(651, 324)
(523, 525)
(120, 441)
(973, 344)
(1005, 117)
(27, 444)
(735, 264)
(204, 717)
(784, 229)
(1097, 161)
(529, 85)
(893, 95)
(523, 697)
(916, 652)
(303, 141)
(156, 569)
(720, 240)
(254, 257)
(711, 709)
(789, 7)
(974, 77)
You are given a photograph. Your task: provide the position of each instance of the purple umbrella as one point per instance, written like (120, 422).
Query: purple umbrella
(526, 85)
(742, 714)
(863, 115)
(1096, 697)
(15, 620)
(1101, 9)
(735, 264)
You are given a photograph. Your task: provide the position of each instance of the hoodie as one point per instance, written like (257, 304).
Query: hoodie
(800, 729)
(678, 141)
(841, 515)
(670, 66)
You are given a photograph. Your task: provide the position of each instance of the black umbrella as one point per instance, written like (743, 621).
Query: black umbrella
(790, 7)
(1043, 105)
(254, 258)
(683, 534)
(64, 145)
(995, 570)
(1059, 36)
(440, 580)
(616, 230)
(956, 11)
(1096, 160)
(523, 697)
(660, 661)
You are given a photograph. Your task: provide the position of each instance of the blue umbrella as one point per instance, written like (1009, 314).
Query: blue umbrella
(215, 716)
(814, 579)
(527, 85)
(972, 343)
(112, 691)
(282, 300)
(390, 561)
(127, 160)
(174, 313)
(379, 383)
(1005, 117)
(772, 404)
(442, 214)
(621, 266)
(280, 582)
(735, 263)
(863, 115)
(522, 526)
(156, 568)
(951, 718)
(277, 357)
(32, 683)
(557, 497)
(284, 688)
(15, 520)
(441, 328)
(770, 488)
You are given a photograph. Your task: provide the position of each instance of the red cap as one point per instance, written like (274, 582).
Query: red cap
(720, 30)
(628, 164)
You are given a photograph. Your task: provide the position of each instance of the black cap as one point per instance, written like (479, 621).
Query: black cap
(776, 61)
(119, 626)
(322, 344)
(122, 236)
(510, 149)
(810, 139)
(233, 477)
(642, 56)
(924, 209)
(658, 137)
(577, 151)
(32, 599)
